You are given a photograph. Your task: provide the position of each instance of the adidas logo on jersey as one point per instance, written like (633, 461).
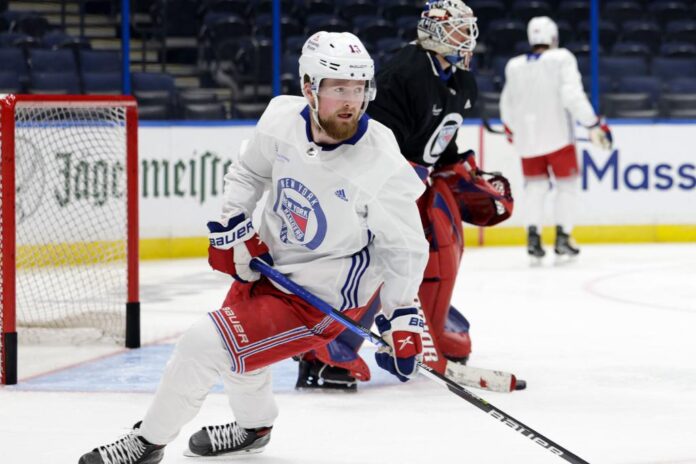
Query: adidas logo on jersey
(340, 193)
(468, 104)
(436, 110)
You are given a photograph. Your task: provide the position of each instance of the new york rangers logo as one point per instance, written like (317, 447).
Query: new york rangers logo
(441, 137)
(304, 222)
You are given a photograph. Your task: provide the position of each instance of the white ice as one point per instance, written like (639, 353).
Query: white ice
(607, 345)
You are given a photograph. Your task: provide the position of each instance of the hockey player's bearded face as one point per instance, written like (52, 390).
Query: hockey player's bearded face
(340, 102)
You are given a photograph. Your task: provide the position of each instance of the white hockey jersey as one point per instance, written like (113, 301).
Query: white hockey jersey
(541, 100)
(339, 220)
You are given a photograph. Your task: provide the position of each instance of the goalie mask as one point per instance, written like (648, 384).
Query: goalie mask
(542, 31)
(336, 55)
(448, 27)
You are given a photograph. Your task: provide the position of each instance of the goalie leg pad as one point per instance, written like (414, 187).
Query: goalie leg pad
(343, 351)
(456, 342)
(445, 234)
(456, 322)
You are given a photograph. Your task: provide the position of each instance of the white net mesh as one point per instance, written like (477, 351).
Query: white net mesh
(71, 214)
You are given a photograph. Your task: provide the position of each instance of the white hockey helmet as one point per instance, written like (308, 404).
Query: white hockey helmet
(541, 30)
(337, 55)
(448, 27)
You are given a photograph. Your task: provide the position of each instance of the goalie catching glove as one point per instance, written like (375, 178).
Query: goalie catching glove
(402, 332)
(484, 199)
(233, 246)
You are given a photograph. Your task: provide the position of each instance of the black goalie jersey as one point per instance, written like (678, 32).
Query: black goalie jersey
(423, 110)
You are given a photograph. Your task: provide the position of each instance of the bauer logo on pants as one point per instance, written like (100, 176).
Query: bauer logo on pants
(304, 222)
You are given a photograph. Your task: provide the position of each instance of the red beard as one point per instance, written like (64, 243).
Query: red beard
(339, 129)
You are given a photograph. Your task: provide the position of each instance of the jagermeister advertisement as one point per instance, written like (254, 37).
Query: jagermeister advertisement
(182, 176)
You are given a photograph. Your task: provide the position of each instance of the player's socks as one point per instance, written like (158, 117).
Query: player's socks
(228, 439)
(130, 449)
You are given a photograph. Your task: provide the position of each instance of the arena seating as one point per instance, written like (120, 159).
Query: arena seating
(224, 49)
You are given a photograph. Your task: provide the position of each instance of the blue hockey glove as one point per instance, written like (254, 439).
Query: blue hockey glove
(402, 331)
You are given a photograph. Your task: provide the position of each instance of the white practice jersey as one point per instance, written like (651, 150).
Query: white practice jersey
(339, 220)
(541, 100)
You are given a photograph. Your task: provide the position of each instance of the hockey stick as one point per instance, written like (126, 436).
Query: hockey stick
(487, 125)
(526, 431)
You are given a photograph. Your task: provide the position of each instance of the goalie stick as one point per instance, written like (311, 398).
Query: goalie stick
(499, 415)
(485, 379)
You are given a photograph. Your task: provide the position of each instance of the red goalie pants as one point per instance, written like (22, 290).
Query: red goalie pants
(260, 325)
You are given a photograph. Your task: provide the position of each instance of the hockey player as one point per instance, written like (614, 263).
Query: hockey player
(425, 91)
(341, 215)
(541, 100)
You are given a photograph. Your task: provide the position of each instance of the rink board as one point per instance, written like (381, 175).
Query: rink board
(642, 191)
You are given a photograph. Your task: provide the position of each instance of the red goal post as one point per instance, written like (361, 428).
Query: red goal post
(69, 220)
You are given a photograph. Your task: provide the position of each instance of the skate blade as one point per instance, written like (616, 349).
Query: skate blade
(324, 391)
(224, 456)
(536, 261)
(564, 260)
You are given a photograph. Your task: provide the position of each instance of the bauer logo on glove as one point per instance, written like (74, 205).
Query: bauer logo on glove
(233, 246)
(402, 332)
(225, 238)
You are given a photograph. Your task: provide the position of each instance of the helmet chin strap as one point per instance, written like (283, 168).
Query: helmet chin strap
(315, 109)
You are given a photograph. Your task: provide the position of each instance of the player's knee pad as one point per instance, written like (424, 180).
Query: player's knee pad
(446, 237)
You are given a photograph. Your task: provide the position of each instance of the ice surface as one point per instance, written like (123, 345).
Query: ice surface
(607, 345)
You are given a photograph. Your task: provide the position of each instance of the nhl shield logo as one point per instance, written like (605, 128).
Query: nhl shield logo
(304, 222)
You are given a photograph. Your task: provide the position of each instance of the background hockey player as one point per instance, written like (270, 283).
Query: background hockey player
(425, 91)
(341, 210)
(540, 102)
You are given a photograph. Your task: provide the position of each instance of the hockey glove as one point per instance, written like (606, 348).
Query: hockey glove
(402, 331)
(600, 134)
(233, 246)
(484, 198)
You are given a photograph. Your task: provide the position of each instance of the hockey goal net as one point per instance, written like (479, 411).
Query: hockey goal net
(69, 223)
